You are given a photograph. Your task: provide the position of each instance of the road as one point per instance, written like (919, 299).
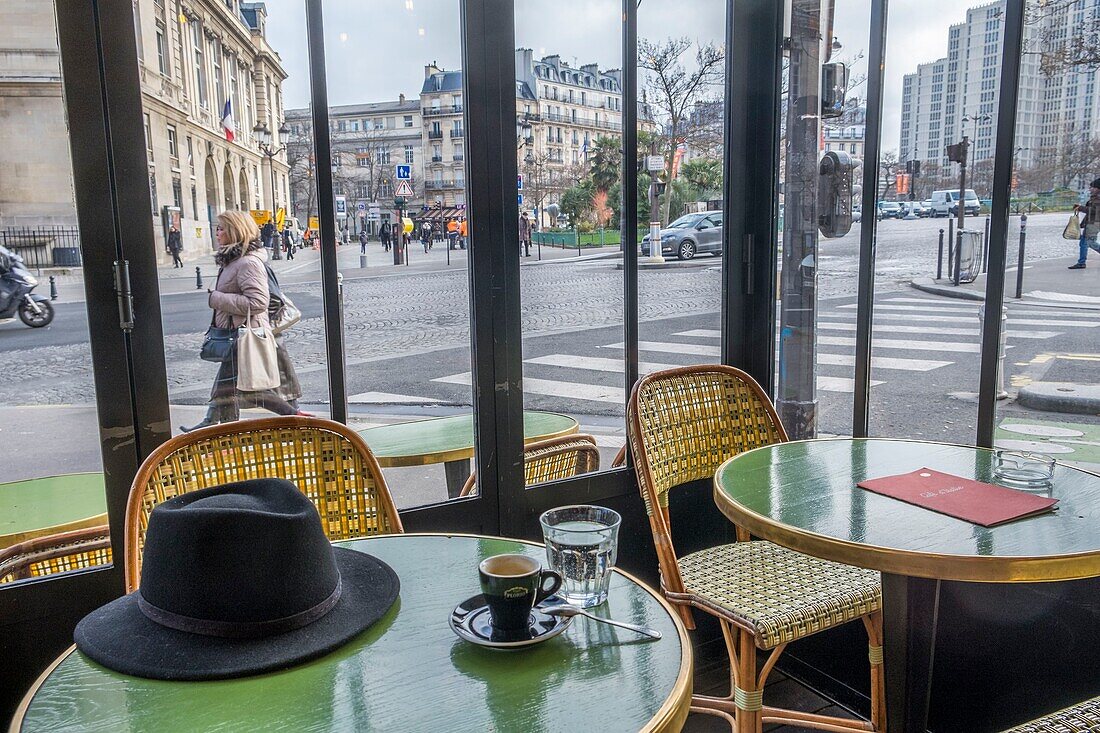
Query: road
(407, 338)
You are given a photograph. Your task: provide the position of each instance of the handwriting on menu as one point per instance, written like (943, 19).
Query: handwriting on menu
(941, 492)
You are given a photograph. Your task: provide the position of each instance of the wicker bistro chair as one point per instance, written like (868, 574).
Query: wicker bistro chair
(57, 553)
(682, 424)
(1081, 718)
(329, 462)
(552, 459)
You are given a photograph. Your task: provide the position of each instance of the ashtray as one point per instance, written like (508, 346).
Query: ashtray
(1023, 470)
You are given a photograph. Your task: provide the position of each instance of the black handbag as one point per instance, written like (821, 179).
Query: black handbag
(218, 344)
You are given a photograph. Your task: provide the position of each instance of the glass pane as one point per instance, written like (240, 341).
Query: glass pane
(1053, 313)
(940, 90)
(396, 89)
(819, 263)
(213, 87)
(569, 115)
(48, 388)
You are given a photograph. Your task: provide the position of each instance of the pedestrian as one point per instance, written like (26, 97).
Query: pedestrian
(452, 234)
(384, 235)
(525, 227)
(307, 239)
(267, 234)
(175, 246)
(363, 242)
(426, 235)
(462, 233)
(241, 291)
(1090, 226)
(288, 242)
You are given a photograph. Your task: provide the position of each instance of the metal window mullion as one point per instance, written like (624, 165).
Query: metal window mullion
(865, 298)
(629, 206)
(488, 63)
(326, 212)
(998, 226)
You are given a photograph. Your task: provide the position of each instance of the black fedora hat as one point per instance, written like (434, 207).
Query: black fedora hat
(237, 580)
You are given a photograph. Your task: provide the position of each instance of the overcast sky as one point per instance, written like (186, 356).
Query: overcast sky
(377, 50)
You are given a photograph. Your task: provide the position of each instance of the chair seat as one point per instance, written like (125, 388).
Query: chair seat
(1083, 718)
(780, 594)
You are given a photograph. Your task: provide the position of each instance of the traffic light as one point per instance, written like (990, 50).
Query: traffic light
(659, 182)
(912, 167)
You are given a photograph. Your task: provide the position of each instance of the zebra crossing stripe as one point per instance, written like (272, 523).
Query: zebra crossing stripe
(595, 363)
(877, 343)
(930, 307)
(706, 333)
(552, 388)
(840, 384)
(672, 348)
(884, 362)
(937, 330)
(909, 318)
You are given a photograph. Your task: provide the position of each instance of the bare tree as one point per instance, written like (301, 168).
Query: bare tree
(1061, 44)
(673, 90)
(537, 184)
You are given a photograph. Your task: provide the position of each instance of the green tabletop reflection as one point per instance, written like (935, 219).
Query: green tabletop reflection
(409, 672)
(43, 506)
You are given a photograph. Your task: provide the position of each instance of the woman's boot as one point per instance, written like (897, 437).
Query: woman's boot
(210, 419)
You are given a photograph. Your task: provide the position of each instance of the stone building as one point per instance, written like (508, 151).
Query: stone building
(368, 142)
(194, 55)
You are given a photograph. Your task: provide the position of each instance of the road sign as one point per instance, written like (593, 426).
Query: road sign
(403, 188)
(341, 207)
(361, 206)
(520, 199)
(655, 162)
(404, 172)
(519, 182)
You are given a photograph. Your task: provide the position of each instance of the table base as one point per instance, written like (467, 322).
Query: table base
(910, 610)
(457, 472)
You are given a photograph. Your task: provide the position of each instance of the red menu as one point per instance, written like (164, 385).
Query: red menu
(959, 497)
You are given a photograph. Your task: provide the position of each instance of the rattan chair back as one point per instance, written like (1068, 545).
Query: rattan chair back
(58, 553)
(328, 461)
(553, 459)
(682, 424)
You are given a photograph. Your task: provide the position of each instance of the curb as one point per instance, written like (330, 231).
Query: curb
(928, 285)
(1077, 399)
(674, 264)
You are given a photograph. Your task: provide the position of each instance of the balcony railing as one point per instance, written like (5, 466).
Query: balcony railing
(446, 109)
(437, 158)
(458, 133)
(584, 122)
(437, 185)
(435, 134)
(458, 157)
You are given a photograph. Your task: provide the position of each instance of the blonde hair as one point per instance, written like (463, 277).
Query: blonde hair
(240, 228)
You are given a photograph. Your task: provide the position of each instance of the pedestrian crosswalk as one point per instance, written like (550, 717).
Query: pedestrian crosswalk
(911, 336)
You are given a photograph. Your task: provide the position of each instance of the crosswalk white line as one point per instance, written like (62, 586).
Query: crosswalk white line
(929, 307)
(955, 346)
(935, 330)
(373, 398)
(672, 348)
(706, 333)
(884, 362)
(553, 388)
(595, 363)
(972, 319)
(841, 384)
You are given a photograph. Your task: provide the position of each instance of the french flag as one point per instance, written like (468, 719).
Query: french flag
(227, 120)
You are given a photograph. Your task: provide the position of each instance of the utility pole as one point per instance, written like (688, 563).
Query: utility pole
(797, 395)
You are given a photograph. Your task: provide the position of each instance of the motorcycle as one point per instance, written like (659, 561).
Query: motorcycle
(16, 284)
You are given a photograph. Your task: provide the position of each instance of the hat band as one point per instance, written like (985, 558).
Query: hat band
(239, 629)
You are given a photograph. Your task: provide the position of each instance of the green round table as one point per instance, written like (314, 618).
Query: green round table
(45, 506)
(409, 672)
(450, 440)
(803, 495)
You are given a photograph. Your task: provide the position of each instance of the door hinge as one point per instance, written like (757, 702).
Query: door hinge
(125, 297)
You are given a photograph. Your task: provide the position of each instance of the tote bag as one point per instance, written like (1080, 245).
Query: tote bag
(257, 362)
(1073, 228)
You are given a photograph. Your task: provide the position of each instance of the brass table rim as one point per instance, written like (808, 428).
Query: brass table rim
(972, 568)
(406, 460)
(670, 716)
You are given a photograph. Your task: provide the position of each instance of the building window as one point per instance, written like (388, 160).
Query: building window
(216, 57)
(194, 202)
(341, 126)
(162, 51)
(148, 137)
(153, 189)
(173, 147)
(200, 64)
(177, 194)
(383, 156)
(410, 154)
(408, 120)
(379, 123)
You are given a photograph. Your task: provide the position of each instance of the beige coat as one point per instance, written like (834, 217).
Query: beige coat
(242, 285)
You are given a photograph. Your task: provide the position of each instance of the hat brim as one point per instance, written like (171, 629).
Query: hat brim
(119, 636)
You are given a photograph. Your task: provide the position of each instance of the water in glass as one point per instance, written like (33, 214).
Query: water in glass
(581, 544)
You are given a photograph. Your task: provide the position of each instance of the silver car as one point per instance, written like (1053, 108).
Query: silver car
(689, 235)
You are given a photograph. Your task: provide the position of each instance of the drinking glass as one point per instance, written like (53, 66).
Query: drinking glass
(582, 543)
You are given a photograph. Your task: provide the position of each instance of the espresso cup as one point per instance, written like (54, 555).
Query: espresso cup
(512, 586)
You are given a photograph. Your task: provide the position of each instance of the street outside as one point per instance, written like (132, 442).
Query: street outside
(408, 344)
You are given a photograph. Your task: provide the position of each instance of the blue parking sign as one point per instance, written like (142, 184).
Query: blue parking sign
(404, 172)
(520, 199)
(519, 182)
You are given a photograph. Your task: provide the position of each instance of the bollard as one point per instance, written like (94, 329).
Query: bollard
(1020, 260)
(539, 245)
(1002, 393)
(340, 285)
(198, 278)
(448, 254)
(53, 288)
(362, 260)
(958, 258)
(939, 258)
(985, 247)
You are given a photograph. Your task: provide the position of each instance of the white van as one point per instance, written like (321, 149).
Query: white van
(946, 203)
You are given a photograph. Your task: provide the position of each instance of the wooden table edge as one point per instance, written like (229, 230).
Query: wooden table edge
(669, 717)
(977, 569)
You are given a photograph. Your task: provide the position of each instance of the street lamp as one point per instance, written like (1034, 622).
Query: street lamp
(270, 147)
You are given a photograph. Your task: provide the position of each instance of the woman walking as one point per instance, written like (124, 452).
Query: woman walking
(241, 293)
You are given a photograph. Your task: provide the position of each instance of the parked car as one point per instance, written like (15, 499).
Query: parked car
(912, 209)
(946, 203)
(927, 205)
(889, 210)
(690, 235)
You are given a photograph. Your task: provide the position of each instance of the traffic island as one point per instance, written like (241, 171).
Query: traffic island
(1065, 397)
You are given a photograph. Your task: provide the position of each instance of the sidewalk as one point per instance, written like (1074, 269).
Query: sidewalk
(306, 267)
(1046, 283)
